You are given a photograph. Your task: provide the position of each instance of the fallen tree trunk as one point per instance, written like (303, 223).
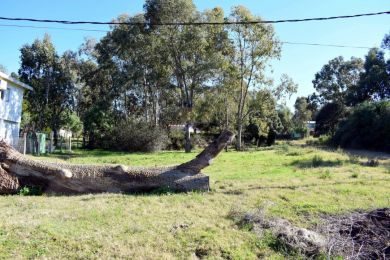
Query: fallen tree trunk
(17, 171)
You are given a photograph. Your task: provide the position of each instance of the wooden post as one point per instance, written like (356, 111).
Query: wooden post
(70, 144)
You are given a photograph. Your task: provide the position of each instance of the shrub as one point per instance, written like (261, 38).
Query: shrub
(137, 137)
(30, 191)
(368, 127)
(271, 137)
(329, 117)
(176, 140)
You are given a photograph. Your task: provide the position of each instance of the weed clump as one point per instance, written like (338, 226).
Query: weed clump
(355, 175)
(326, 175)
(30, 191)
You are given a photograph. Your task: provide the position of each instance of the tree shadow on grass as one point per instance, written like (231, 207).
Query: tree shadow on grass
(309, 185)
(316, 162)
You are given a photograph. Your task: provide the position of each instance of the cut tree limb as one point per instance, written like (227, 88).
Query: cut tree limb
(17, 171)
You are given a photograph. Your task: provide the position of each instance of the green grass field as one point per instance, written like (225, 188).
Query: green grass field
(295, 183)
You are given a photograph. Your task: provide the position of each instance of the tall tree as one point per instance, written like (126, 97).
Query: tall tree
(285, 116)
(285, 89)
(374, 82)
(302, 112)
(336, 78)
(50, 76)
(254, 45)
(193, 55)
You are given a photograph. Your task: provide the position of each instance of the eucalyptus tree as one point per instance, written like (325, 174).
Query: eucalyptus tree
(139, 61)
(374, 84)
(337, 78)
(254, 45)
(49, 75)
(285, 89)
(192, 52)
(302, 112)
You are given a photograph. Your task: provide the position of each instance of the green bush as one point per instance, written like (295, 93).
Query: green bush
(137, 137)
(271, 138)
(368, 127)
(177, 140)
(30, 191)
(329, 117)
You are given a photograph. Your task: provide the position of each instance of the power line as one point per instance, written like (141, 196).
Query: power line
(55, 28)
(326, 45)
(106, 31)
(197, 23)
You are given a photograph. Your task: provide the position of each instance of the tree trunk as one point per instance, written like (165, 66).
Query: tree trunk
(17, 171)
(55, 136)
(187, 145)
(239, 137)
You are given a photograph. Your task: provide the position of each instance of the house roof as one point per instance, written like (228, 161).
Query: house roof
(15, 81)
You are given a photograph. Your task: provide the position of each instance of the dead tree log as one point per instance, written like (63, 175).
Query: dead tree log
(17, 171)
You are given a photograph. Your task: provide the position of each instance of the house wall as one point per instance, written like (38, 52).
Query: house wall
(10, 112)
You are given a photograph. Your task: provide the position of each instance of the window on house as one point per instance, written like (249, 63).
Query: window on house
(6, 95)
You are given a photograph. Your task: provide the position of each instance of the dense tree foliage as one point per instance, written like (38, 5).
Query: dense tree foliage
(329, 117)
(302, 112)
(211, 77)
(367, 127)
(354, 96)
(374, 82)
(336, 78)
(51, 77)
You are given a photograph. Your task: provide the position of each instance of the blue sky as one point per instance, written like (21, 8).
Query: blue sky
(299, 62)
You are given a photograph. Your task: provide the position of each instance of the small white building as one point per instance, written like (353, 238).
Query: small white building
(11, 99)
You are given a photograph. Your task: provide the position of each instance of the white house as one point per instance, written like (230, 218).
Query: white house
(11, 99)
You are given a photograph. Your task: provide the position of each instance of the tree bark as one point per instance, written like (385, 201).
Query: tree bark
(17, 171)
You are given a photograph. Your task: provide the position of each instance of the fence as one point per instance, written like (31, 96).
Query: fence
(29, 143)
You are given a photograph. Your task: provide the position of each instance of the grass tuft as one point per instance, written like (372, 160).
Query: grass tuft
(325, 175)
(317, 161)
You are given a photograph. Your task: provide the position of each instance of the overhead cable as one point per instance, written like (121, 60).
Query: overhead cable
(197, 23)
(106, 31)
